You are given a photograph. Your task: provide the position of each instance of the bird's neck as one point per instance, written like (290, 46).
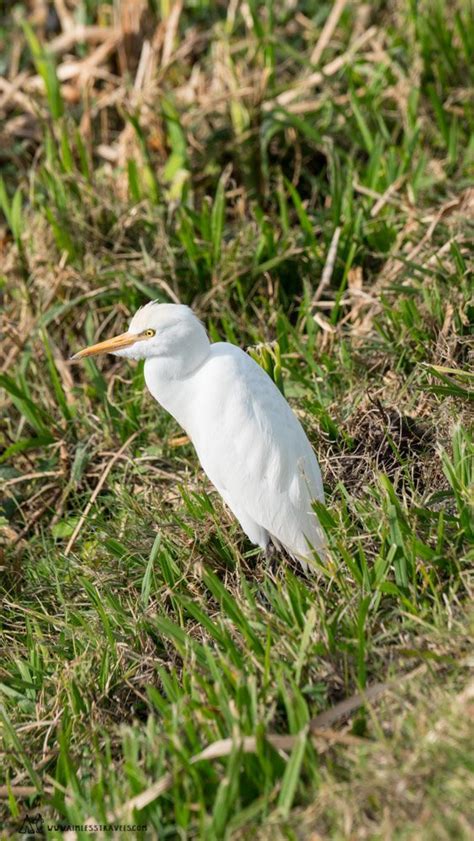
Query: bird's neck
(172, 382)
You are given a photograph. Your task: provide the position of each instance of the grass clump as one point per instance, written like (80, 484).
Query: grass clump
(300, 176)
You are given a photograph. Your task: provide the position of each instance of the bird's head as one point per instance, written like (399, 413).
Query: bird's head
(156, 330)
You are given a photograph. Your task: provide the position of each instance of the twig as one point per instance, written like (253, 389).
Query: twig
(446, 208)
(319, 76)
(30, 476)
(344, 708)
(328, 267)
(387, 195)
(171, 28)
(37, 515)
(12, 91)
(381, 198)
(79, 35)
(24, 791)
(326, 33)
(96, 492)
(85, 68)
(395, 261)
(65, 16)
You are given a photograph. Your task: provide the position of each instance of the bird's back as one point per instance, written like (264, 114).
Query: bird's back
(254, 449)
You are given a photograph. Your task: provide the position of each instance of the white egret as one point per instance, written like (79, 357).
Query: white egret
(249, 442)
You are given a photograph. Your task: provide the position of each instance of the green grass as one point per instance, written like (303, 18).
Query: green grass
(135, 637)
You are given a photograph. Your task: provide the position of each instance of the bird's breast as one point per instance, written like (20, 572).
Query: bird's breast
(176, 395)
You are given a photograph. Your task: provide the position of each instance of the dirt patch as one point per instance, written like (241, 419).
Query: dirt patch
(383, 440)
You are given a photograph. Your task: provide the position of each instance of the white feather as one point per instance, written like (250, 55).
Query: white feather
(248, 440)
(264, 466)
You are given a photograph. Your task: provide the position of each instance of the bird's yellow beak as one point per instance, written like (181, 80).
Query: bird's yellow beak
(108, 346)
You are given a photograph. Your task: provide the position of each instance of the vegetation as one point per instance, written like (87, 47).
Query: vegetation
(299, 173)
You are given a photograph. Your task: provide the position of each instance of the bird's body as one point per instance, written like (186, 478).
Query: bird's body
(248, 440)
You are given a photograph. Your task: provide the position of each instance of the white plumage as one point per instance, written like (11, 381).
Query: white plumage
(248, 440)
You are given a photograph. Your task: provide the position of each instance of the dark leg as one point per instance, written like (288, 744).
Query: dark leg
(271, 555)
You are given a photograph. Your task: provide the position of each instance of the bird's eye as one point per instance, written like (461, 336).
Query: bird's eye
(149, 333)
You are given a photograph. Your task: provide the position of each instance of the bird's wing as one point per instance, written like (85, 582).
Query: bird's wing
(255, 451)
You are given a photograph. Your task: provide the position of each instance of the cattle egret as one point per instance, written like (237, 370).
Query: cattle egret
(249, 442)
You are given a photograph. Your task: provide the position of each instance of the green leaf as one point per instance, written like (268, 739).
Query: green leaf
(292, 774)
(217, 217)
(46, 68)
(55, 379)
(147, 578)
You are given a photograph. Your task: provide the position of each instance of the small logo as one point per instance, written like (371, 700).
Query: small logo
(32, 825)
